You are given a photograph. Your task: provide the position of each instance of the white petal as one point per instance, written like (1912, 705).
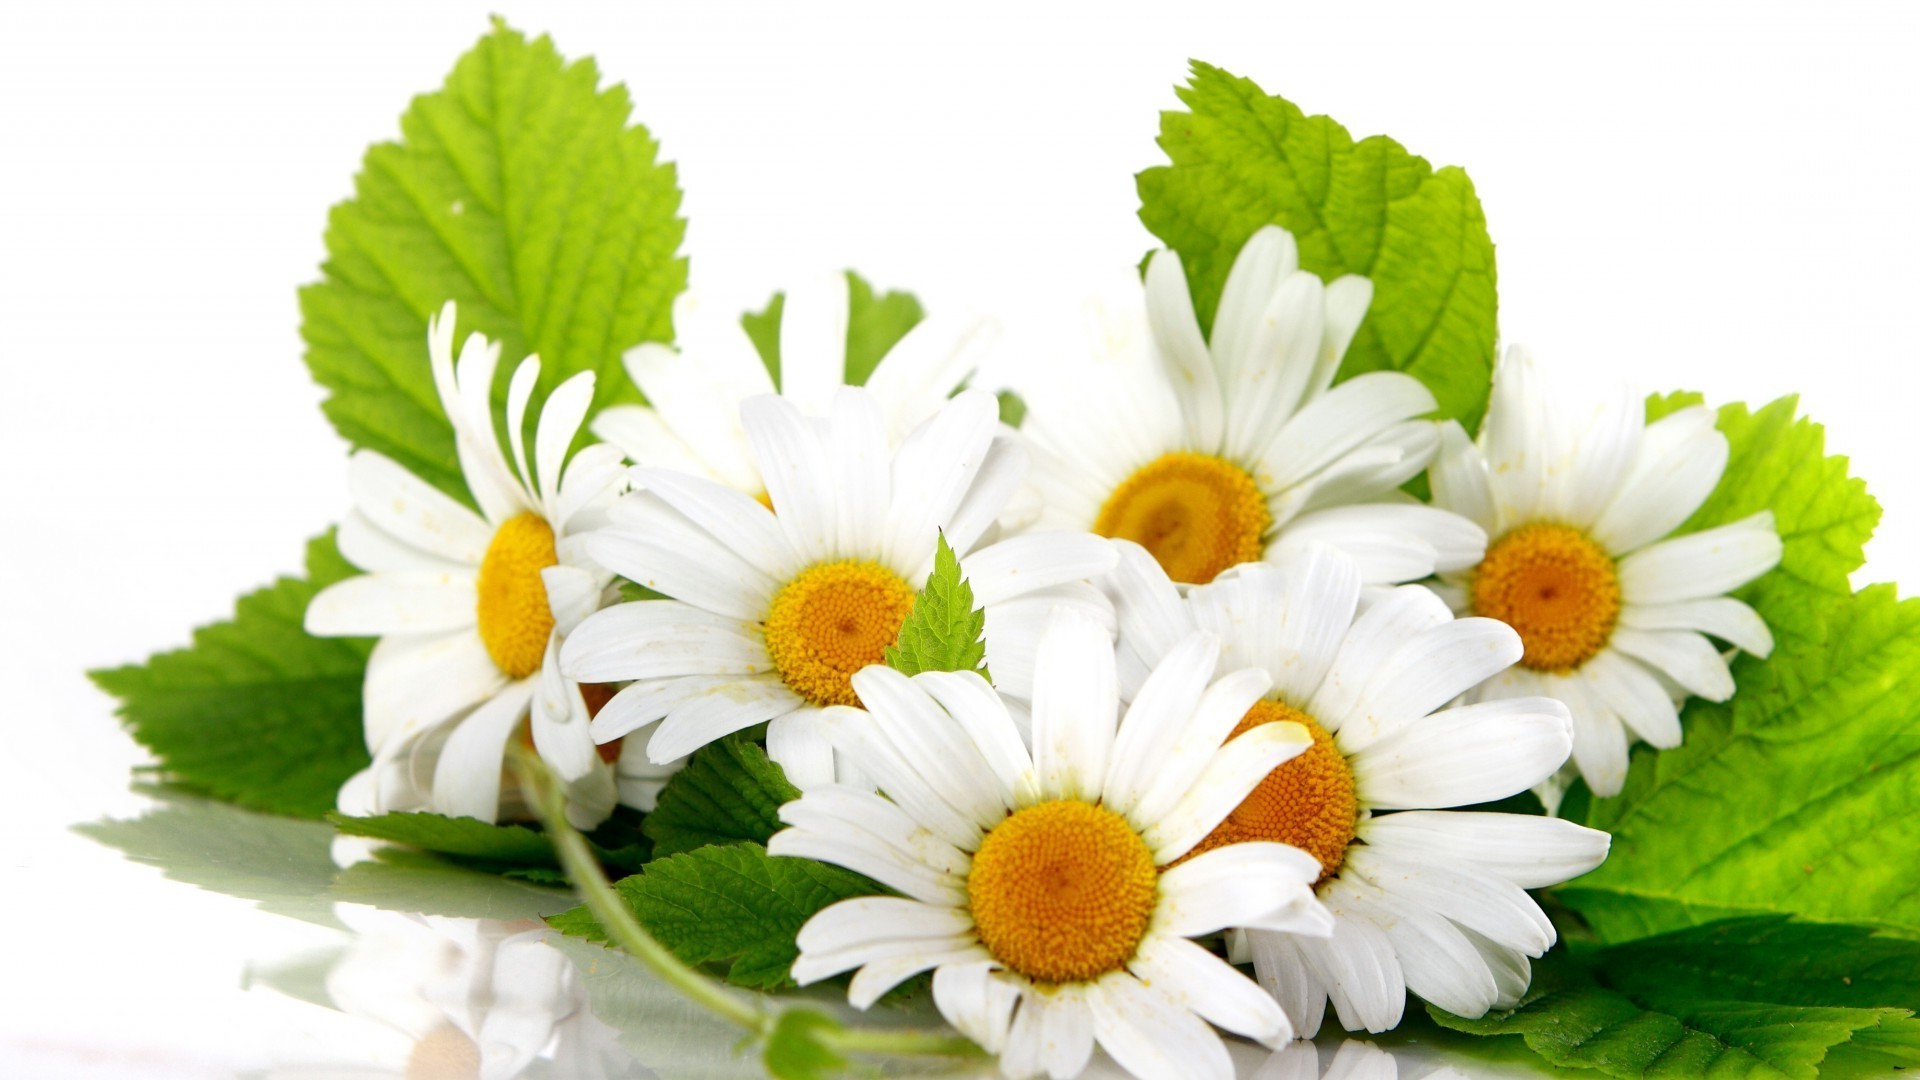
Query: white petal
(1339, 422)
(1681, 655)
(1357, 965)
(1149, 1034)
(978, 711)
(1477, 900)
(717, 712)
(414, 683)
(1022, 564)
(1002, 476)
(1153, 618)
(1432, 668)
(1066, 1030)
(1378, 632)
(799, 743)
(926, 366)
(466, 782)
(750, 529)
(813, 342)
(1513, 439)
(1265, 384)
(1701, 564)
(1209, 986)
(670, 556)
(938, 750)
(696, 411)
(840, 810)
(1075, 707)
(1156, 720)
(1472, 754)
(652, 639)
(646, 702)
(415, 512)
(1392, 543)
(1228, 779)
(858, 457)
(1287, 618)
(797, 472)
(558, 721)
(1631, 693)
(976, 1002)
(1531, 852)
(1459, 479)
(855, 734)
(396, 603)
(1236, 885)
(560, 419)
(373, 550)
(1189, 364)
(882, 975)
(1721, 616)
(1184, 768)
(1283, 973)
(1440, 964)
(646, 440)
(932, 472)
(1606, 430)
(572, 595)
(1679, 463)
(864, 855)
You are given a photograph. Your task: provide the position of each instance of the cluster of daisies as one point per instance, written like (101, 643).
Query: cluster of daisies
(1241, 683)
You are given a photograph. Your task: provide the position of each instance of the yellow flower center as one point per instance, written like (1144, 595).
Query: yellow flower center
(1556, 588)
(1063, 891)
(1307, 802)
(514, 616)
(1196, 513)
(831, 621)
(445, 1053)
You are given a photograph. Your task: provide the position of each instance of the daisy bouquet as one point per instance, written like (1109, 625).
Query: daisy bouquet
(1295, 660)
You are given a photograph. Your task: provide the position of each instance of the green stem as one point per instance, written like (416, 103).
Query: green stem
(549, 802)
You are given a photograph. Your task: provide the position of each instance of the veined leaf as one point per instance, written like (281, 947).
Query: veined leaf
(944, 631)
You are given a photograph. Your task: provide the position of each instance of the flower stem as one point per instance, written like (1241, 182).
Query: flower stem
(549, 802)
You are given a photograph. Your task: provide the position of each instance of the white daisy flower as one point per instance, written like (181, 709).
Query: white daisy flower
(693, 420)
(1424, 899)
(1040, 887)
(471, 607)
(772, 613)
(1579, 491)
(1215, 453)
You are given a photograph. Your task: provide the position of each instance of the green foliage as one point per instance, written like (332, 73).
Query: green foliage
(944, 631)
(1800, 796)
(728, 903)
(875, 323)
(729, 792)
(255, 711)
(1241, 159)
(1745, 998)
(1013, 408)
(1779, 462)
(520, 191)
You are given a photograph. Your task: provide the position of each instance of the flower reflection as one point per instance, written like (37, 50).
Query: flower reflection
(1352, 1061)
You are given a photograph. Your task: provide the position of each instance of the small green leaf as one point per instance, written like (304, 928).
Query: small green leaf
(1801, 796)
(1745, 998)
(795, 1051)
(729, 792)
(875, 324)
(519, 190)
(1241, 159)
(944, 631)
(728, 903)
(1013, 408)
(256, 711)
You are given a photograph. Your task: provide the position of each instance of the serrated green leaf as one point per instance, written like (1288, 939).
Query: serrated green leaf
(1013, 408)
(729, 792)
(1779, 462)
(1746, 998)
(728, 903)
(944, 631)
(520, 191)
(1241, 159)
(255, 711)
(875, 324)
(1801, 796)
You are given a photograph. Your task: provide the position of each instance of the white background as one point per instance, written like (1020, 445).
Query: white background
(1715, 197)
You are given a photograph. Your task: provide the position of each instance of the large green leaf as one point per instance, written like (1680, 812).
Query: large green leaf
(1242, 159)
(520, 190)
(729, 792)
(876, 321)
(255, 711)
(1745, 998)
(1800, 796)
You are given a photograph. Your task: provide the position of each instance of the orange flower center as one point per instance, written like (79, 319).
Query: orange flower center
(1196, 513)
(514, 616)
(1063, 891)
(831, 621)
(1556, 588)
